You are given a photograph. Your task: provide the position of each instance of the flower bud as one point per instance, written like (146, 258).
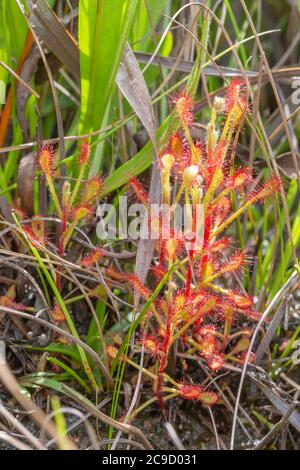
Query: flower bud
(66, 194)
(167, 161)
(189, 174)
(46, 159)
(219, 104)
(171, 247)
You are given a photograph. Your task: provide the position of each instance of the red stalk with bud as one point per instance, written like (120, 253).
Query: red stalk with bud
(74, 207)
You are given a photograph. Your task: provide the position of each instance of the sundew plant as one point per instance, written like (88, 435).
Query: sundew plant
(149, 225)
(202, 308)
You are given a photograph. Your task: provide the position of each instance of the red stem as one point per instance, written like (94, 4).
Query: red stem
(191, 255)
(61, 250)
(207, 227)
(163, 362)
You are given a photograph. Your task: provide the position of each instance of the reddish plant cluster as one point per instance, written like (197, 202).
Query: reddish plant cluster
(200, 310)
(77, 205)
(200, 306)
(8, 300)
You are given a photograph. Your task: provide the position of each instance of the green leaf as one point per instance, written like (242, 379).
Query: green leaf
(144, 158)
(3, 42)
(103, 29)
(93, 339)
(13, 29)
(140, 35)
(67, 350)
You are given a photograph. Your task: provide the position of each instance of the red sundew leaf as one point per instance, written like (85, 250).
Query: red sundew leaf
(215, 362)
(206, 267)
(172, 247)
(34, 239)
(92, 189)
(241, 301)
(209, 398)
(80, 212)
(181, 151)
(207, 330)
(165, 160)
(137, 188)
(207, 305)
(84, 153)
(199, 153)
(57, 314)
(242, 345)
(235, 93)
(240, 178)
(236, 102)
(208, 345)
(46, 159)
(221, 210)
(130, 278)
(139, 286)
(196, 393)
(184, 106)
(252, 357)
(242, 307)
(204, 300)
(5, 301)
(175, 146)
(236, 300)
(116, 275)
(219, 245)
(235, 263)
(268, 189)
(206, 340)
(190, 391)
(217, 157)
(151, 345)
(159, 272)
(93, 257)
(179, 302)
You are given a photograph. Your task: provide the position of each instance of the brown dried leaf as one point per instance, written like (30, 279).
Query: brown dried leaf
(52, 32)
(22, 93)
(25, 179)
(131, 82)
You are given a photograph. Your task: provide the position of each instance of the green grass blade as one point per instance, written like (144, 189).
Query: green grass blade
(103, 29)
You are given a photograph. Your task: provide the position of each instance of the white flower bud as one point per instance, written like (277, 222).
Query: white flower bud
(219, 104)
(189, 174)
(167, 161)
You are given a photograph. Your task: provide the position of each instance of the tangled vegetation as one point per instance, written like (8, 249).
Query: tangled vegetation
(185, 319)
